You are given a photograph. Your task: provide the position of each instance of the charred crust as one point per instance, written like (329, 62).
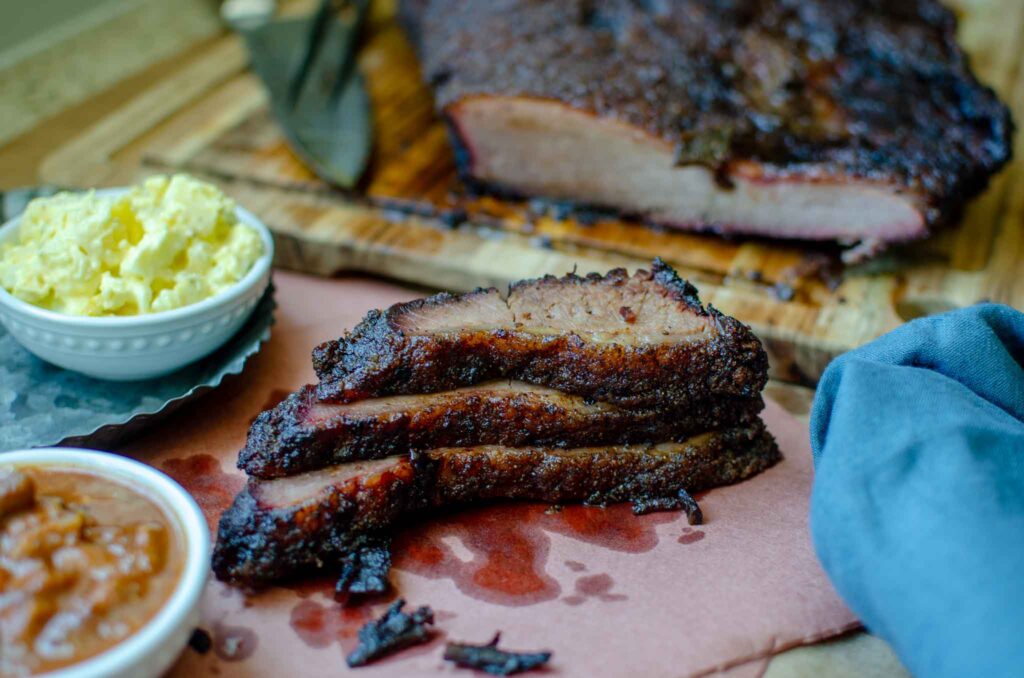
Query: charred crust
(364, 569)
(678, 288)
(277, 440)
(490, 659)
(464, 163)
(394, 631)
(614, 277)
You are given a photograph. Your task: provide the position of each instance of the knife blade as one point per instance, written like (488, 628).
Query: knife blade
(328, 121)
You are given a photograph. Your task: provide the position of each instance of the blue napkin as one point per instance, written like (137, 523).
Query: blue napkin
(917, 511)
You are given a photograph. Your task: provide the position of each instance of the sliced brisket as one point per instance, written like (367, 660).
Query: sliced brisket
(278, 528)
(303, 434)
(600, 389)
(637, 341)
(849, 120)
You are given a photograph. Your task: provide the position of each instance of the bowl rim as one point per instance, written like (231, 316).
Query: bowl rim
(175, 501)
(259, 269)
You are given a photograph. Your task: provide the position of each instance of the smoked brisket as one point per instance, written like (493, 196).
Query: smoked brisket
(283, 527)
(303, 434)
(637, 341)
(597, 389)
(858, 121)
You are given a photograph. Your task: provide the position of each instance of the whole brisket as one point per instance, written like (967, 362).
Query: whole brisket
(851, 120)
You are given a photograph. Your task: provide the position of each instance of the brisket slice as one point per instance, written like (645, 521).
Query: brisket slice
(637, 341)
(278, 528)
(303, 434)
(848, 120)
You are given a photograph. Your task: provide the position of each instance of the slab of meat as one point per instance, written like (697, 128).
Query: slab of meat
(638, 341)
(851, 120)
(278, 528)
(303, 434)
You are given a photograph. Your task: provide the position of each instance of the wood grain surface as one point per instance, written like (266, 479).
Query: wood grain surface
(414, 222)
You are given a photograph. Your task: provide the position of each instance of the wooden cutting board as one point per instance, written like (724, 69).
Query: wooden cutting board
(414, 222)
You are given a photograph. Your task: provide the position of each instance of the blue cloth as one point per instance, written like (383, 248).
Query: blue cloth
(917, 512)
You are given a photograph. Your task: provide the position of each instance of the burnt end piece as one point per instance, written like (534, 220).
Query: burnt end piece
(490, 659)
(562, 333)
(303, 434)
(364, 569)
(279, 528)
(394, 631)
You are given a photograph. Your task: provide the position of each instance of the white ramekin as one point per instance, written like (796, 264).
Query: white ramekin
(152, 649)
(142, 346)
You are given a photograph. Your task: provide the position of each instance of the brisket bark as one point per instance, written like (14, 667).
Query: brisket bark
(849, 120)
(598, 389)
(303, 434)
(636, 341)
(279, 528)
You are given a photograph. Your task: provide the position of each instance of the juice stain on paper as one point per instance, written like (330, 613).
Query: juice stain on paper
(202, 476)
(508, 547)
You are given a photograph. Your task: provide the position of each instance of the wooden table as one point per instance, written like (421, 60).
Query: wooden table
(159, 37)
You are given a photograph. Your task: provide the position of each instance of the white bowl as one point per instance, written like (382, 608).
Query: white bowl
(152, 649)
(125, 348)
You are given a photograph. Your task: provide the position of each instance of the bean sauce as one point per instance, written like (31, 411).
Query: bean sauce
(84, 563)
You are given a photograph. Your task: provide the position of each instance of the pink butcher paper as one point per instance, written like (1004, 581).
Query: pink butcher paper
(609, 593)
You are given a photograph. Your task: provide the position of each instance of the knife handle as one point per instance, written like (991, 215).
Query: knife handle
(239, 14)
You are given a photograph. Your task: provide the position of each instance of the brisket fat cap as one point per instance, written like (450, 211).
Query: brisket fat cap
(288, 526)
(852, 120)
(302, 434)
(638, 341)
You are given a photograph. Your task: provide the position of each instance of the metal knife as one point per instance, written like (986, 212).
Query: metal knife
(317, 94)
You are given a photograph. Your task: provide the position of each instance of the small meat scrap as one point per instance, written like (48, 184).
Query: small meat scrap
(681, 501)
(492, 660)
(628, 314)
(394, 631)
(365, 568)
(694, 515)
(200, 641)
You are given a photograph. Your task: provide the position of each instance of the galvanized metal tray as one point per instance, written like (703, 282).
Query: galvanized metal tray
(43, 405)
